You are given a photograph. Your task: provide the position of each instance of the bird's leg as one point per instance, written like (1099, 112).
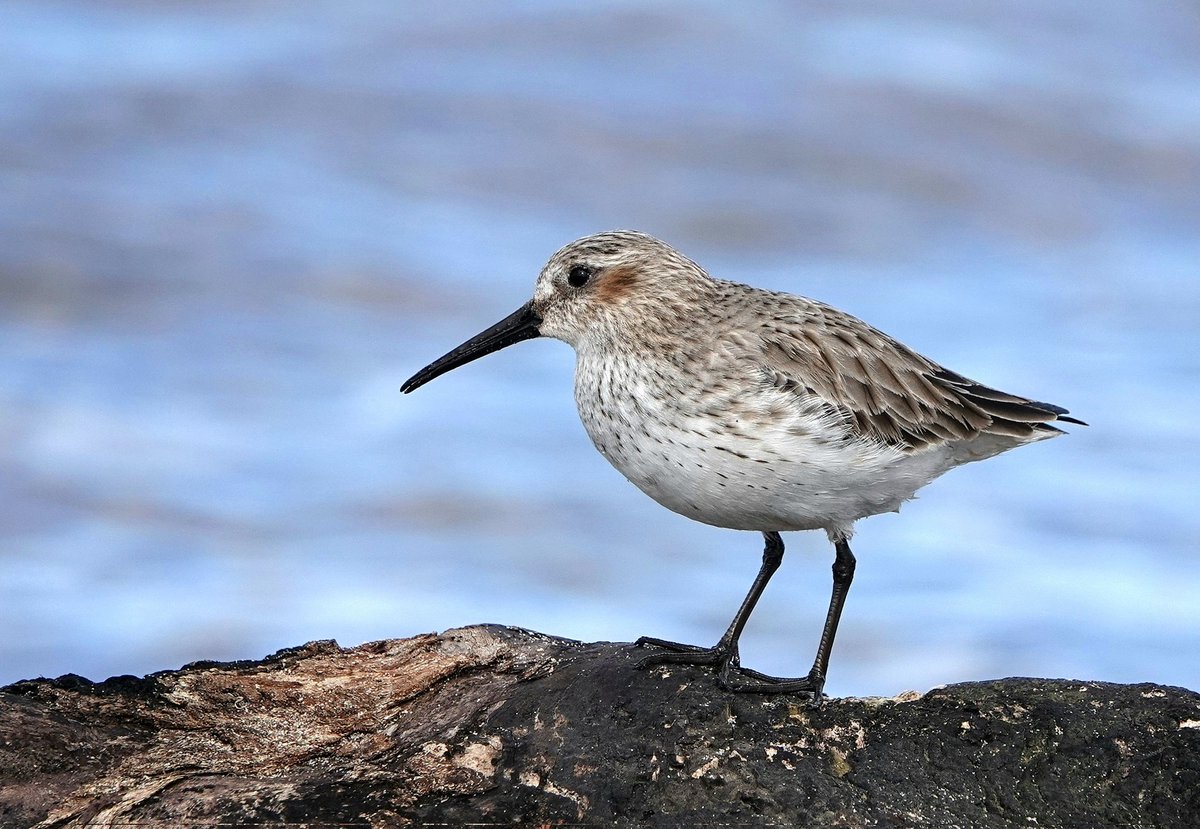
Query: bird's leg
(725, 652)
(742, 679)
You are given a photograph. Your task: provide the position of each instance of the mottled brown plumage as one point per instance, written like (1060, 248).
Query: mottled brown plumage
(887, 391)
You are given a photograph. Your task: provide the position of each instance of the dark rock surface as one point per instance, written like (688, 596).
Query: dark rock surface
(492, 724)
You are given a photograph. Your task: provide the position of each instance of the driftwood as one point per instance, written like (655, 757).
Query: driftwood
(496, 725)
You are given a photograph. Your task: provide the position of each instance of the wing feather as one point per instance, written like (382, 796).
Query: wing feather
(882, 388)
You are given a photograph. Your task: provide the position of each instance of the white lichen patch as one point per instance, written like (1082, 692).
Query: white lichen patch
(480, 757)
(532, 779)
(581, 802)
(655, 768)
(794, 749)
(853, 732)
(801, 745)
(705, 768)
(880, 702)
(1189, 724)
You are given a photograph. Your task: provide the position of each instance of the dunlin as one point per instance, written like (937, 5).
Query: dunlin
(751, 409)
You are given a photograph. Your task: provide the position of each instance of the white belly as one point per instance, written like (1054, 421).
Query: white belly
(736, 458)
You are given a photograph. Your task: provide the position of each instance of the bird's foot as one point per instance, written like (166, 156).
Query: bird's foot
(731, 675)
(735, 678)
(677, 653)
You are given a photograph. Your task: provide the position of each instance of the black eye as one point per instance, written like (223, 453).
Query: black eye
(578, 275)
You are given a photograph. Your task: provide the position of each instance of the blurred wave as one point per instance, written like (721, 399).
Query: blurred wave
(231, 230)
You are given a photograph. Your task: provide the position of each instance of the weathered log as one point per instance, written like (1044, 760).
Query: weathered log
(493, 724)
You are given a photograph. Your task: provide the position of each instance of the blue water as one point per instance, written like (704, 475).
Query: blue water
(230, 231)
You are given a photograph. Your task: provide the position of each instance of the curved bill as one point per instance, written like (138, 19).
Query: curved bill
(522, 324)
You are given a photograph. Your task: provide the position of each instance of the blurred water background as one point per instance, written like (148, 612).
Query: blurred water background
(230, 230)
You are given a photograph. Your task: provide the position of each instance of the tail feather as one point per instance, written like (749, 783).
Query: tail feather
(1010, 413)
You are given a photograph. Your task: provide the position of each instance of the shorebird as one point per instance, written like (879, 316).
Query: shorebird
(752, 410)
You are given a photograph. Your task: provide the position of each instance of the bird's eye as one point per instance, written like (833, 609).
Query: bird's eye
(578, 276)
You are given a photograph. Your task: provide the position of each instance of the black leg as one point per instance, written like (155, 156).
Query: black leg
(843, 574)
(814, 683)
(725, 652)
(736, 678)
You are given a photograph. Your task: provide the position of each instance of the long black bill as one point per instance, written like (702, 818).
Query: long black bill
(522, 324)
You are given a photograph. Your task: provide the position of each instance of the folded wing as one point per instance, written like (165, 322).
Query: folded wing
(886, 391)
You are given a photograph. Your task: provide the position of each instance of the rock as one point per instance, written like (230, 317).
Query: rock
(494, 724)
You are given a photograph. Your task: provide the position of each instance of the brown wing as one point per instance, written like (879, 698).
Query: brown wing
(883, 388)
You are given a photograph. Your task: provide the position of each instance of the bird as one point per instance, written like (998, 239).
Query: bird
(753, 410)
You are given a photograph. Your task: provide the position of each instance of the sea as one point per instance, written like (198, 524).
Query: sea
(230, 230)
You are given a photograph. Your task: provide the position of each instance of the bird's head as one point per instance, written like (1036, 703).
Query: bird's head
(606, 285)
